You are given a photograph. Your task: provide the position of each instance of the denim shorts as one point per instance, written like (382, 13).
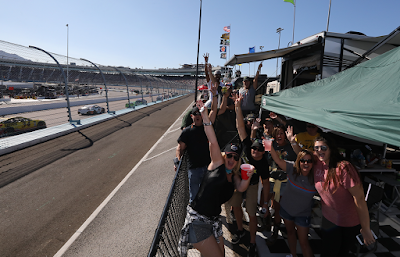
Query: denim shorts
(199, 231)
(300, 221)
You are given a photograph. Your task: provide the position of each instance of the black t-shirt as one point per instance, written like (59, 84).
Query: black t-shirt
(215, 190)
(196, 145)
(285, 152)
(262, 166)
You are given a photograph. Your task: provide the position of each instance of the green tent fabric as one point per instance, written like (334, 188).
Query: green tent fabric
(362, 101)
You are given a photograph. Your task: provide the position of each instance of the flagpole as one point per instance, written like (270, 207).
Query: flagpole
(198, 49)
(294, 19)
(329, 15)
(230, 28)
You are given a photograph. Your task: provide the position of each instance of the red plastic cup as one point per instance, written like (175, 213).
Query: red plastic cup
(246, 170)
(267, 144)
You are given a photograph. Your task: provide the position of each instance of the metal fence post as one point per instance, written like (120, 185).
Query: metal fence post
(127, 89)
(105, 85)
(78, 122)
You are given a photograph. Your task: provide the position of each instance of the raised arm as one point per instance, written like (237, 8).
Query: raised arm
(239, 117)
(254, 127)
(274, 116)
(214, 103)
(213, 79)
(205, 66)
(292, 140)
(215, 153)
(255, 80)
(224, 101)
(280, 162)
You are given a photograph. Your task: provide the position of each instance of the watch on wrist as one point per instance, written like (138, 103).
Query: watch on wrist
(207, 123)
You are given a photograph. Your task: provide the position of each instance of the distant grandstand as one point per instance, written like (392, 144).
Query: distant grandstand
(27, 65)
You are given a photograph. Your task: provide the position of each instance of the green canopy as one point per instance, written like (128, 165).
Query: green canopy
(363, 101)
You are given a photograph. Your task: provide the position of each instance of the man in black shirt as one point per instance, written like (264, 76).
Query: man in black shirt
(193, 139)
(253, 154)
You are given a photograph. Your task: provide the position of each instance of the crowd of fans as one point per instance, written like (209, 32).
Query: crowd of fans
(290, 168)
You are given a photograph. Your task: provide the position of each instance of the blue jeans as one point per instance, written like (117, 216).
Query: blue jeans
(195, 178)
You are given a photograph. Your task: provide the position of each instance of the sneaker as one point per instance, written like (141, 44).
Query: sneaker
(272, 239)
(272, 211)
(237, 236)
(274, 236)
(252, 250)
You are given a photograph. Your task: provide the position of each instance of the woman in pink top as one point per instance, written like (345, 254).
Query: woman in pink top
(344, 210)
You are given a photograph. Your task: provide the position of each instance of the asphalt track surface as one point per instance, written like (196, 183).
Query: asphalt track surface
(70, 176)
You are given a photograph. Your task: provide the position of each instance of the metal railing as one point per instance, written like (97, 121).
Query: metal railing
(166, 238)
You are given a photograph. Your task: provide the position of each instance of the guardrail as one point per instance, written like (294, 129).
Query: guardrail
(165, 242)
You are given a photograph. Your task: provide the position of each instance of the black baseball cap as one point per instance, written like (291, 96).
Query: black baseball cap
(233, 148)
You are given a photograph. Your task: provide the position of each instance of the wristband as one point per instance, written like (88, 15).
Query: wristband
(207, 123)
(295, 143)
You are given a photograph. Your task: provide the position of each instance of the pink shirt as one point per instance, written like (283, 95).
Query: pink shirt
(339, 207)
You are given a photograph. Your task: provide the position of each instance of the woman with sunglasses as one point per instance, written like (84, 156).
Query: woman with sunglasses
(344, 210)
(295, 205)
(203, 227)
(286, 149)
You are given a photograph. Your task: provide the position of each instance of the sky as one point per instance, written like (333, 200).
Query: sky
(164, 34)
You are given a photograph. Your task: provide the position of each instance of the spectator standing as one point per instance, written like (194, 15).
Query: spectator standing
(253, 154)
(203, 226)
(248, 93)
(344, 210)
(210, 80)
(194, 140)
(306, 139)
(295, 206)
(286, 149)
(268, 128)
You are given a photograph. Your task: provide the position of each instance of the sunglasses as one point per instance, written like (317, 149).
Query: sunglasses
(322, 147)
(305, 160)
(235, 156)
(258, 149)
(196, 113)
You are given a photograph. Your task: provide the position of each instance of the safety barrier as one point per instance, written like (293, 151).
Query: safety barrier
(165, 242)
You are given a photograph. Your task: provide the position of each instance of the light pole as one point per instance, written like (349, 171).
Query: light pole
(278, 30)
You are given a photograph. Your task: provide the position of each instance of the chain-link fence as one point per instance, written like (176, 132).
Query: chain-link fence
(165, 242)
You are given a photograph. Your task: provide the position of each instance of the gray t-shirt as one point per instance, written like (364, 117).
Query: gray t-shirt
(249, 96)
(297, 199)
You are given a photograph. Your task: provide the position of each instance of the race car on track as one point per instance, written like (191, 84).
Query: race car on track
(16, 125)
(91, 109)
(140, 102)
